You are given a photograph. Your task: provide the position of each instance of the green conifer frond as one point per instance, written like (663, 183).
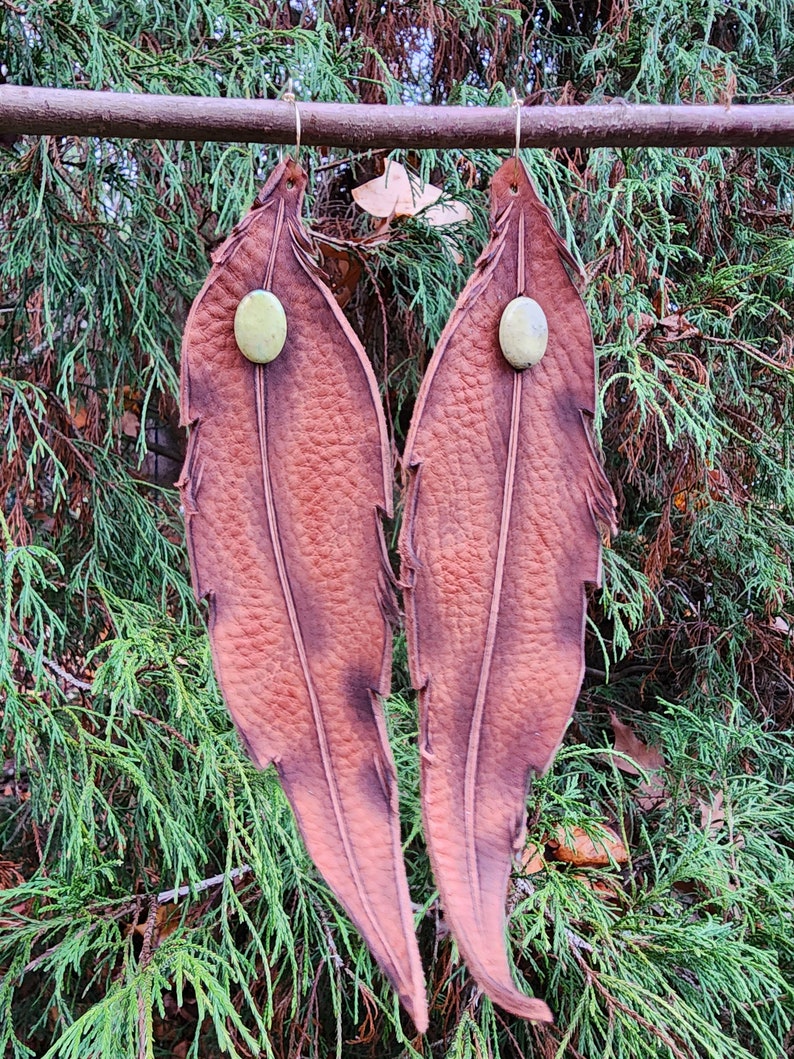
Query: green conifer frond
(155, 897)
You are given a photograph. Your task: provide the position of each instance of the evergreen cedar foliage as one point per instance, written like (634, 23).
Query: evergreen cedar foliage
(123, 777)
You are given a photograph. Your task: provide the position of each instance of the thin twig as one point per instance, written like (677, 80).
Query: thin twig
(164, 451)
(335, 957)
(168, 896)
(147, 949)
(64, 674)
(164, 725)
(753, 352)
(347, 160)
(83, 685)
(613, 1002)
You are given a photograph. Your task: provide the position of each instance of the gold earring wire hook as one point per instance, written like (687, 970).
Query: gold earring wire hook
(516, 105)
(289, 97)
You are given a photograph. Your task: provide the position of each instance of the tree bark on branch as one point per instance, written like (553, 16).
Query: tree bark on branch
(80, 112)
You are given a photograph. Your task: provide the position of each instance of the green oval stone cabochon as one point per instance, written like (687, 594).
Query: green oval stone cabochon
(523, 333)
(260, 326)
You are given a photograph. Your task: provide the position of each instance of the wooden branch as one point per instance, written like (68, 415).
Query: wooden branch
(79, 112)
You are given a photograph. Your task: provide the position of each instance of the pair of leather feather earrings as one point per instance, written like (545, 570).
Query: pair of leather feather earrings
(286, 479)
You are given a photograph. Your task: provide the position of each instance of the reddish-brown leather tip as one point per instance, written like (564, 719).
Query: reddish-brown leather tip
(501, 531)
(286, 474)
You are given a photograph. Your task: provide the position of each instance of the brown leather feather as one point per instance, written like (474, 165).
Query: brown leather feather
(499, 536)
(286, 475)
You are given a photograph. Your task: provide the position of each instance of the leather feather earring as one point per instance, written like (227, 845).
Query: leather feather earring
(286, 476)
(505, 495)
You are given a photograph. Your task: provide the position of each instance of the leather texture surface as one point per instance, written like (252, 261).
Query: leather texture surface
(286, 475)
(501, 531)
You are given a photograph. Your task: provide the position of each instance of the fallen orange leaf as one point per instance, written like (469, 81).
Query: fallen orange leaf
(599, 887)
(576, 847)
(532, 859)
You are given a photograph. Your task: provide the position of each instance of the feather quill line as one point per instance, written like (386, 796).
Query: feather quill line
(294, 620)
(271, 262)
(475, 733)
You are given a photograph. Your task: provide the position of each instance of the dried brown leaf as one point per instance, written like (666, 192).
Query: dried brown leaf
(576, 847)
(343, 271)
(444, 213)
(712, 813)
(533, 859)
(651, 790)
(449, 212)
(676, 328)
(648, 758)
(130, 424)
(78, 415)
(394, 194)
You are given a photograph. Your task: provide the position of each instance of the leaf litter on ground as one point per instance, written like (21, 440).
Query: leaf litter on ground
(638, 759)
